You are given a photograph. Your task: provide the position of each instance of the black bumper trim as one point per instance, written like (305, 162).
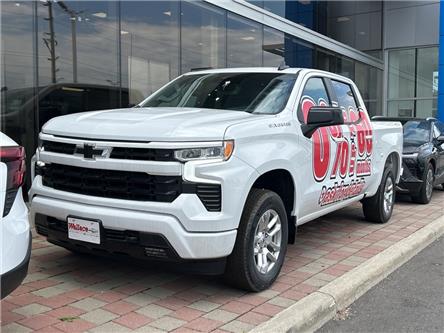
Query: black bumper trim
(12, 279)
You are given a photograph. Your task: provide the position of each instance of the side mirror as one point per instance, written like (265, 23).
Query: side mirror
(320, 116)
(440, 139)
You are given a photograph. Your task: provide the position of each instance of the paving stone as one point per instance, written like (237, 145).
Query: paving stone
(99, 316)
(15, 328)
(154, 311)
(237, 326)
(167, 323)
(141, 299)
(187, 314)
(110, 327)
(77, 325)
(253, 318)
(35, 277)
(159, 292)
(204, 324)
(282, 301)
(38, 321)
(120, 307)
(133, 320)
(48, 292)
(118, 297)
(88, 304)
(204, 306)
(31, 309)
(221, 315)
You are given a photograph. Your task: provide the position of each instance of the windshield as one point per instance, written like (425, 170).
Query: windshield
(265, 93)
(416, 132)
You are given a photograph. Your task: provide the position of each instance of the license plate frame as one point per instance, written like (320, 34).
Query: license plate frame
(84, 229)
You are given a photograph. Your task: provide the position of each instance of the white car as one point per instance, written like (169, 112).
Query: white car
(14, 226)
(217, 167)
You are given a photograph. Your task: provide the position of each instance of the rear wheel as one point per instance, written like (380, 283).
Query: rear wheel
(261, 242)
(379, 208)
(425, 193)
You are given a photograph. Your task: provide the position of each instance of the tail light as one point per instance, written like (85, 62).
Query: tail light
(14, 158)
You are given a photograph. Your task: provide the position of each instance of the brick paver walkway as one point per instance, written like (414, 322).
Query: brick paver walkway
(65, 292)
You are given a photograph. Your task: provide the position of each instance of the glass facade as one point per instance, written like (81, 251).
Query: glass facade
(413, 82)
(355, 23)
(61, 57)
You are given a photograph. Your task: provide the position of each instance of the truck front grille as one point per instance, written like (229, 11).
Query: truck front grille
(59, 147)
(143, 154)
(112, 183)
(123, 153)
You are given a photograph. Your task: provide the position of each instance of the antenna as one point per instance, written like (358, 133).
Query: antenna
(283, 66)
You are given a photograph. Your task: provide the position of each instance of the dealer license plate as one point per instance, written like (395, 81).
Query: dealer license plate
(84, 230)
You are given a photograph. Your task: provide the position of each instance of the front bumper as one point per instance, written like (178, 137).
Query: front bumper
(183, 244)
(13, 278)
(409, 183)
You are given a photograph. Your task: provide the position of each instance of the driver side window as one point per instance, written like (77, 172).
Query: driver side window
(314, 94)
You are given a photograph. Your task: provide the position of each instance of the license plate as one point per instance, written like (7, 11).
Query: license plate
(84, 230)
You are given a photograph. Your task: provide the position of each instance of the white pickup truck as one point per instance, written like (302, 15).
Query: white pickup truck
(218, 167)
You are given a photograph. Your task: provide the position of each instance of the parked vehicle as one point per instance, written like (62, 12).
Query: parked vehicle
(14, 226)
(219, 166)
(422, 158)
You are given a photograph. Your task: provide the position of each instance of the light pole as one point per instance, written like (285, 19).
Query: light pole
(73, 17)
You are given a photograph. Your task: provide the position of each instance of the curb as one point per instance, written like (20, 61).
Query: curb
(314, 310)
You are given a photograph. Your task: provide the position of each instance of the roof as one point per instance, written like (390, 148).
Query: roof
(246, 70)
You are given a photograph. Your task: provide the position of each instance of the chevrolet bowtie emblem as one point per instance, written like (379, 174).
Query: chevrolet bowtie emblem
(89, 152)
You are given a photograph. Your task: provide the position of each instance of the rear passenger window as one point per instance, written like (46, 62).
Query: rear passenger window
(344, 94)
(314, 94)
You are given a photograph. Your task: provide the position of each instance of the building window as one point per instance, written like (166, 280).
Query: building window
(273, 47)
(150, 46)
(244, 42)
(203, 36)
(413, 82)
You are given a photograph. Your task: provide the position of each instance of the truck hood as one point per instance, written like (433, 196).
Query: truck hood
(147, 124)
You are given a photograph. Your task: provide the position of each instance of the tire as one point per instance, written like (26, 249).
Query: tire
(425, 193)
(379, 208)
(244, 265)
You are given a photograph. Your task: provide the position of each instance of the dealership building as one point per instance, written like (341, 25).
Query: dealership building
(60, 57)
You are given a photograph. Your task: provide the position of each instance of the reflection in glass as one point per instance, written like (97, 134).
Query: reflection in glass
(345, 67)
(17, 73)
(273, 47)
(78, 58)
(325, 60)
(427, 72)
(401, 81)
(203, 36)
(150, 46)
(244, 42)
(298, 53)
(401, 109)
(426, 108)
(369, 81)
(78, 42)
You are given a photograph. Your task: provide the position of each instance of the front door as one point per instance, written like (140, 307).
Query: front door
(341, 155)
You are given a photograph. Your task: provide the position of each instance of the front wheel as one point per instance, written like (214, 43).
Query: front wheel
(261, 242)
(379, 208)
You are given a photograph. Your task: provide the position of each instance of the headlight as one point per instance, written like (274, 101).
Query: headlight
(413, 156)
(224, 152)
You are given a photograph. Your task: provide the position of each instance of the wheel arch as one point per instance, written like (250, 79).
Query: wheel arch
(395, 161)
(282, 183)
